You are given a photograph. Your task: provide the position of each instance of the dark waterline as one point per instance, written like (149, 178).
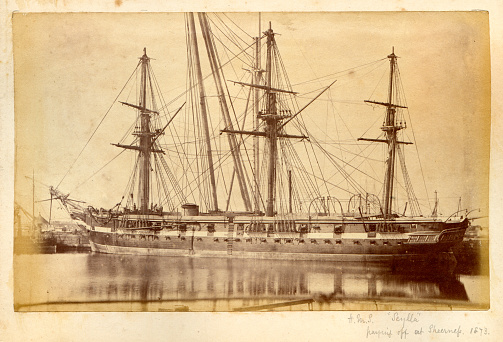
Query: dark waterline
(102, 282)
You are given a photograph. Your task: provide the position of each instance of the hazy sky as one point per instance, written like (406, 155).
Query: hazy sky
(70, 67)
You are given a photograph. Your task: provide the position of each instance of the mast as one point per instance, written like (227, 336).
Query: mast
(145, 134)
(391, 131)
(17, 220)
(204, 113)
(33, 202)
(271, 120)
(145, 138)
(256, 122)
(50, 210)
(289, 191)
(234, 146)
(434, 213)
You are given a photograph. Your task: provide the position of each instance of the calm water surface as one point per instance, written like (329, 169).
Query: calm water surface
(101, 282)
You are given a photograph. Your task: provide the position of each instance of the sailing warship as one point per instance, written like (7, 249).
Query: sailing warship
(158, 215)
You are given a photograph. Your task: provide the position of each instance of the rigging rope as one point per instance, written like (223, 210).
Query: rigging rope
(101, 121)
(97, 171)
(332, 75)
(414, 139)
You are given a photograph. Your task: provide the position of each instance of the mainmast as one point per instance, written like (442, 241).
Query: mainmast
(271, 119)
(274, 124)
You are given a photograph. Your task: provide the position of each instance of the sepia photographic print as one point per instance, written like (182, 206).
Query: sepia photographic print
(253, 162)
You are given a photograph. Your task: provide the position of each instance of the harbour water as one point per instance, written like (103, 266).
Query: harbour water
(102, 282)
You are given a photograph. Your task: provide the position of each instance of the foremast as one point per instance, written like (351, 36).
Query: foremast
(145, 135)
(145, 138)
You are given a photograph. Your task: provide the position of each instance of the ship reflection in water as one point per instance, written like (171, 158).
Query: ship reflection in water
(99, 282)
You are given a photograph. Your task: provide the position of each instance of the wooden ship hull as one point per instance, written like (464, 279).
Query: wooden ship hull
(274, 222)
(247, 237)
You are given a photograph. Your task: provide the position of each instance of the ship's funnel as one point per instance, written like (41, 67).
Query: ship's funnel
(190, 209)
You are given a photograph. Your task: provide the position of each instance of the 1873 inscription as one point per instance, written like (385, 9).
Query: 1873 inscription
(403, 325)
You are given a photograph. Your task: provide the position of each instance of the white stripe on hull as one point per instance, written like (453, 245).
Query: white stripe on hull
(109, 249)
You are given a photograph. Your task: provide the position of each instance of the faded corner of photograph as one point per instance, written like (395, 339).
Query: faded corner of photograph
(251, 161)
